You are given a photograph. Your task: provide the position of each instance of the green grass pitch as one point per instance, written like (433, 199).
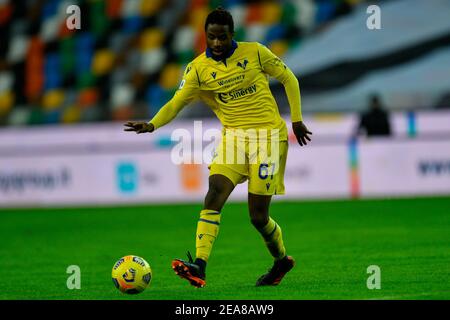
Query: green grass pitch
(333, 243)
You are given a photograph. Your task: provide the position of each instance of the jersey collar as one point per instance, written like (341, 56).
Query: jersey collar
(229, 53)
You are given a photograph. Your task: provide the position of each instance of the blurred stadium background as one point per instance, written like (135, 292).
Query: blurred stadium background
(64, 95)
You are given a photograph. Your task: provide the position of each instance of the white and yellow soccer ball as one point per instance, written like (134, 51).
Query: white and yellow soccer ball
(131, 274)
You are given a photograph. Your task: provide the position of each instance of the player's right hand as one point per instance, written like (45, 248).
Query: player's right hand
(139, 126)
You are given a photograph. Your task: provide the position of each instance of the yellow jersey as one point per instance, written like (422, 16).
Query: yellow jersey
(237, 89)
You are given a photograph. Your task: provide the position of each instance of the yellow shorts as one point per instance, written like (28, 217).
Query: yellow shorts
(263, 164)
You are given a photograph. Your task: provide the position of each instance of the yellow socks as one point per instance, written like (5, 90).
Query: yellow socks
(207, 231)
(273, 238)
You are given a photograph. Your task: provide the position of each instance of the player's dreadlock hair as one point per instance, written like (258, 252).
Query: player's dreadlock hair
(220, 16)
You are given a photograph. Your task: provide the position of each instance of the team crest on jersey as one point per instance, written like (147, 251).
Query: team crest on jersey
(213, 74)
(243, 65)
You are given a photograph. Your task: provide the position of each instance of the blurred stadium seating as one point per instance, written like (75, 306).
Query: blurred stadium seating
(406, 61)
(126, 60)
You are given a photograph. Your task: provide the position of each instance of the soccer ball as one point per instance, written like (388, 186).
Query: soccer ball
(131, 274)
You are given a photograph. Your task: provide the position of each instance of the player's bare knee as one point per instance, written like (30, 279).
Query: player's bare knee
(215, 197)
(259, 212)
(214, 192)
(220, 187)
(220, 184)
(259, 221)
(258, 206)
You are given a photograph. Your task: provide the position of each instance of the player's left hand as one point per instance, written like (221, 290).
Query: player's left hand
(301, 132)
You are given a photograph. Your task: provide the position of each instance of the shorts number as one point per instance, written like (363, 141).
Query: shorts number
(264, 170)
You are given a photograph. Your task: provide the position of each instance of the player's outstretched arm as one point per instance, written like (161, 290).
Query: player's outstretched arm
(139, 127)
(166, 114)
(186, 92)
(301, 132)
